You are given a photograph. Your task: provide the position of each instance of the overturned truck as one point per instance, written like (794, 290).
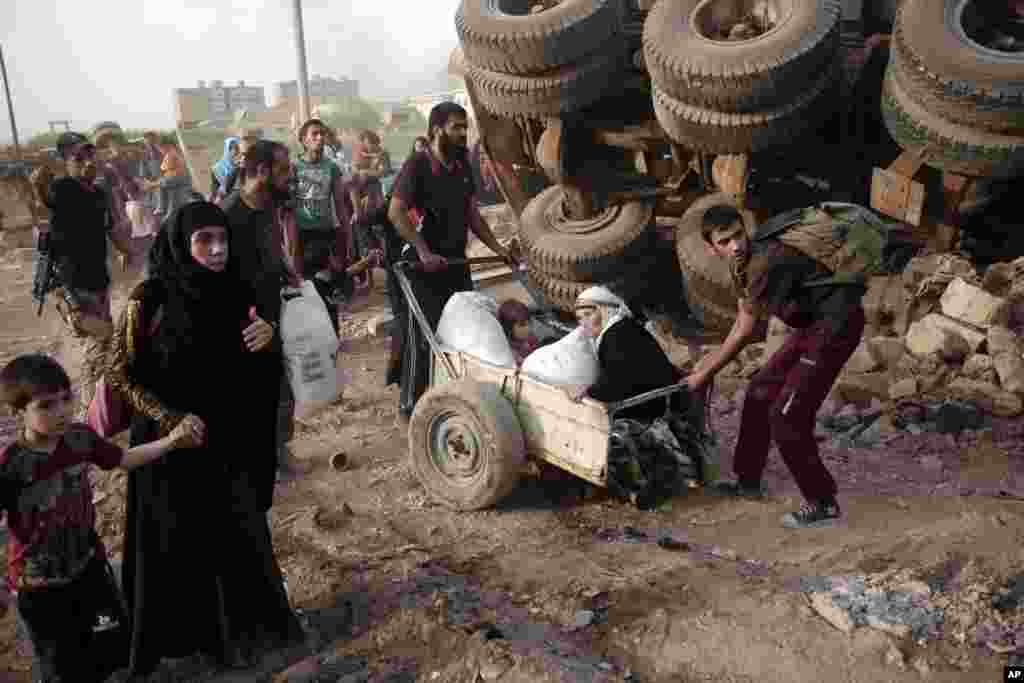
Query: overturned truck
(641, 114)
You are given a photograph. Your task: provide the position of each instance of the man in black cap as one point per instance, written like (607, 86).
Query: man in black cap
(80, 224)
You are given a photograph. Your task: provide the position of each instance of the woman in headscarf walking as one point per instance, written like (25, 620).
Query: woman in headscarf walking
(199, 570)
(223, 169)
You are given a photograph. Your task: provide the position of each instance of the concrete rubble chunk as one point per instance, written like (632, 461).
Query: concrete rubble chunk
(936, 333)
(887, 350)
(895, 630)
(988, 397)
(1005, 350)
(863, 387)
(838, 617)
(998, 279)
(977, 366)
(903, 389)
(973, 305)
(862, 360)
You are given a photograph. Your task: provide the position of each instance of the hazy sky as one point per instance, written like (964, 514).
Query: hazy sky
(119, 59)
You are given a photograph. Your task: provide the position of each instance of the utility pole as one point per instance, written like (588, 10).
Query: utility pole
(300, 53)
(10, 105)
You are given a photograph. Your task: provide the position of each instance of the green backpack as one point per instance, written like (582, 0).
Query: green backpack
(848, 239)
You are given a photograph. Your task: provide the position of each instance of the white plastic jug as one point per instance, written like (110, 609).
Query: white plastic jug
(469, 323)
(570, 360)
(310, 351)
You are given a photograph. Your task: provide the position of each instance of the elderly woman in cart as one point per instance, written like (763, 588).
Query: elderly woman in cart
(631, 360)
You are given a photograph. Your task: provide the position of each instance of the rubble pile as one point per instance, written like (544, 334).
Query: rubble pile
(939, 334)
(958, 601)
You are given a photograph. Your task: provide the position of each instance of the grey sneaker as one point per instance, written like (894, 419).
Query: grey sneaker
(736, 489)
(821, 513)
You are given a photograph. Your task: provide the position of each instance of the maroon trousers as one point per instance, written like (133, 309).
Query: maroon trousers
(782, 401)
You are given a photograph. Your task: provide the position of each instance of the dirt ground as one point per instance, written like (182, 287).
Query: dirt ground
(556, 586)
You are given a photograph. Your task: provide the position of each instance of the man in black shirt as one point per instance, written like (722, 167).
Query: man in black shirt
(773, 278)
(438, 184)
(266, 251)
(80, 224)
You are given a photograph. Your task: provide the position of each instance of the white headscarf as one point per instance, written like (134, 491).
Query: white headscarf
(615, 308)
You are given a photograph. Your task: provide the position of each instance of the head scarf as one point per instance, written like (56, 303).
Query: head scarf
(223, 168)
(614, 306)
(170, 257)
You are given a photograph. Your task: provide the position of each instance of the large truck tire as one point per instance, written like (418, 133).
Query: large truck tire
(564, 90)
(752, 75)
(584, 250)
(945, 145)
(503, 36)
(633, 282)
(466, 444)
(706, 277)
(951, 75)
(717, 132)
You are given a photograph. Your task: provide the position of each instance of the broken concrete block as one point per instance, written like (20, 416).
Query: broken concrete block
(861, 360)
(838, 617)
(895, 630)
(977, 366)
(988, 397)
(1005, 350)
(1010, 369)
(998, 279)
(863, 387)
(973, 305)
(887, 350)
(937, 333)
(903, 389)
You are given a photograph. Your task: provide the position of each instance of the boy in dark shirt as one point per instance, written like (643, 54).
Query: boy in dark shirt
(771, 278)
(56, 564)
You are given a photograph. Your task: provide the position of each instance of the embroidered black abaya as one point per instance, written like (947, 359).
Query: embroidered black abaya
(199, 569)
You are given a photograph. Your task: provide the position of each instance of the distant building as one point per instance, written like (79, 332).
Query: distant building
(424, 103)
(216, 101)
(319, 86)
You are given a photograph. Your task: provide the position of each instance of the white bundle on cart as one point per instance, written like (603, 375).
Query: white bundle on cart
(469, 323)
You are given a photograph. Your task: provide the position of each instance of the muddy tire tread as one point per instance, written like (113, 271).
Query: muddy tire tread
(744, 81)
(531, 44)
(562, 91)
(948, 146)
(585, 257)
(718, 132)
(945, 81)
(503, 439)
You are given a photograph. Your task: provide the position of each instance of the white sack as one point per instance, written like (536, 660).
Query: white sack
(310, 351)
(570, 360)
(469, 323)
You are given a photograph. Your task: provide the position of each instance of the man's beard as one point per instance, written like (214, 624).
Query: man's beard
(450, 148)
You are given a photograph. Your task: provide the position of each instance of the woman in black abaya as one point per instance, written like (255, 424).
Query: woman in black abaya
(199, 571)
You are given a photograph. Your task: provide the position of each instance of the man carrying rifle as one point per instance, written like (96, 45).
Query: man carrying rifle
(80, 224)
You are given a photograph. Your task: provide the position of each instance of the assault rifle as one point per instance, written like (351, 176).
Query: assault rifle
(45, 279)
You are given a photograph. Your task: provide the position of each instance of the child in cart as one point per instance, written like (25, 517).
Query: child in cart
(57, 570)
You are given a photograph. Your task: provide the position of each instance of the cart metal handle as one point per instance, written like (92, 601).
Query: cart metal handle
(663, 392)
(421, 319)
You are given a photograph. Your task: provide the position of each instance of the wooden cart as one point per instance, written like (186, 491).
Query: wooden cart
(472, 430)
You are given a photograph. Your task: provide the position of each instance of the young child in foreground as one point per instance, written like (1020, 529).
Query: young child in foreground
(57, 569)
(514, 317)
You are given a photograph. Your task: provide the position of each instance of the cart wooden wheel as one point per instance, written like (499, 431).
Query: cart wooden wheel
(466, 444)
